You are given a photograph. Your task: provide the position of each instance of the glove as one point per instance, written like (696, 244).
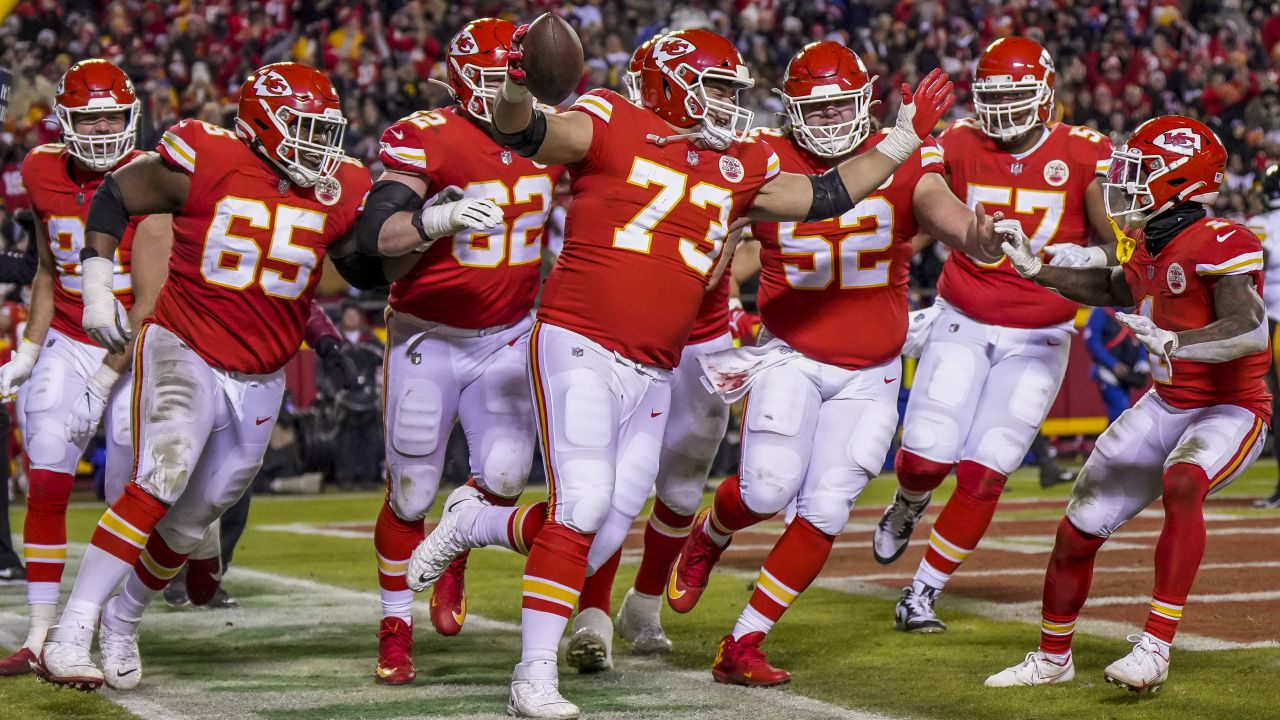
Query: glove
(515, 56)
(86, 412)
(105, 320)
(336, 362)
(918, 115)
(1017, 248)
(448, 212)
(1076, 256)
(1158, 341)
(919, 324)
(18, 369)
(743, 326)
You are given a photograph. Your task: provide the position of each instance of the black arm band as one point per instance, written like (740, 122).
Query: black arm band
(107, 213)
(386, 198)
(363, 272)
(528, 141)
(830, 198)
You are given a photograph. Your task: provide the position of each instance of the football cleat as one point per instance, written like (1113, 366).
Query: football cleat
(203, 579)
(642, 627)
(449, 599)
(1144, 669)
(121, 663)
(893, 533)
(742, 662)
(692, 569)
(18, 663)
(447, 541)
(590, 648)
(395, 652)
(1269, 503)
(175, 593)
(535, 693)
(914, 612)
(64, 659)
(1036, 669)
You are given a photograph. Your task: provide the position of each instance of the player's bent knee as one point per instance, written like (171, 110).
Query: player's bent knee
(412, 489)
(415, 425)
(1184, 483)
(932, 434)
(918, 474)
(48, 449)
(506, 466)
(682, 494)
(171, 458)
(587, 514)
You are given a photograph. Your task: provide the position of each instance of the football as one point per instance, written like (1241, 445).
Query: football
(552, 58)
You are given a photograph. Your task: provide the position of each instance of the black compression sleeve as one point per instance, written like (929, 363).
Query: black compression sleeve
(363, 272)
(386, 198)
(527, 142)
(830, 198)
(107, 213)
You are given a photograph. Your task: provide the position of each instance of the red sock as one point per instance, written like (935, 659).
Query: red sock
(1180, 547)
(962, 522)
(44, 531)
(555, 570)
(918, 475)
(125, 526)
(729, 512)
(525, 525)
(663, 537)
(158, 563)
(792, 565)
(1066, 585)
(597, 590)
(393, 541)
(491, 496)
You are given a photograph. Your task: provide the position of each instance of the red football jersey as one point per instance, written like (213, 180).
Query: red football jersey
(821, 280)
(645, 230)
(473, 279)
(1175, 290)
(248, 249)
(1044, 188)
(60, 198)
(713, 315)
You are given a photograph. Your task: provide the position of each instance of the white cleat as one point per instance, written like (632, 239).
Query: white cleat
(1036, 669)
(590, 647)
(1144, 669)
(65, 661)
(121, 663)
(638, 623)
(535, 693)
(447, 541)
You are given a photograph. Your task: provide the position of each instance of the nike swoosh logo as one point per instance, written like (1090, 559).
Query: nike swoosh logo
(673, 592)
(259, 421)
(385, 672)
(460, 616)
(889, 380)
(654, 414)
(126, 672)
(1220, 238)
(399, 135)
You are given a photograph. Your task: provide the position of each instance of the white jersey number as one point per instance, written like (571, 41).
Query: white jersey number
(637, 235)
(234, 261)
(871, 222)
(518, 241)
(1023, 202)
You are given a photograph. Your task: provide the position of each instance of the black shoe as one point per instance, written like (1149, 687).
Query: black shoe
(13, 574)
(1271, 502)
(221, 601)
(175, 593)
(1056, 476)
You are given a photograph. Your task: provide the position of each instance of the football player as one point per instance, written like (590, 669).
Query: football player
(818, 423)
(457, 326)
(1266, 225)
(66, 380)
(254, 213)
(997, 351)
(656, 191)
(1196, 284)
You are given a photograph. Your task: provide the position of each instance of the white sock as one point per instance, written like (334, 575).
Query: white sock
(100, 574)
(398, 603)
(540, 634)
(1059, 658)
(927, 575)
(41, 617)
(751, 620)
(210, 545)
(648, 605)
(123, 613)
(42, 593)
(719, 539)
(913, 497)
(489, 527)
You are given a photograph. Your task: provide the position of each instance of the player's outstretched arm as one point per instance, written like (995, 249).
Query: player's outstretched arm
(1104, 286)
(943, 217)
(1241, 327)
(558, 139)
(792, 197)
(397, 222)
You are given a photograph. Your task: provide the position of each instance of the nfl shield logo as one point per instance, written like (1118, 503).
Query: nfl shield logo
(1016, 168)
(506, 157)
(692, 158)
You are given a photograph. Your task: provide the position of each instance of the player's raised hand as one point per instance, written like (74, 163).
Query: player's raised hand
(1158, 341)
(105, 320)
(18, 369)
(515, 56)
(1017, 248)
(926, 105)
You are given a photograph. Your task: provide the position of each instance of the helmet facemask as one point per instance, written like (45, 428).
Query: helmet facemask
(99, 152)
(1127, 192)
(631, 83)
(1009, 109)
(483, 84)
(311, 148)
(723, 121)
(836, 139)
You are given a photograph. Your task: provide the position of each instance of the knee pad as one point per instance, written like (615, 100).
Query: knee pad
(979, 481)
(585, 514)
(415, 428)
(504, 469)
(48, 447)
(769, 478)
(681, 495)
(931, 432)
(917, 474)
(412, 489)
(1003, 448)
(872, 435)
(827, 507)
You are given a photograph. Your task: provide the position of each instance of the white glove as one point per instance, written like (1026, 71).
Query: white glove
(86, 411)
(919, 323)
(446, 214)
(105, 320)
(18, 369)
(1017, 248)
(1076, 256)
(1158, 341)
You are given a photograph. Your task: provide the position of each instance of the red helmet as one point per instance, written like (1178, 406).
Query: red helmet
(672, 85)
(477, 63)
(291, 114)
(820, 75)
(631, 80)
(1166, 161)
(1013, 87)
(96, 87)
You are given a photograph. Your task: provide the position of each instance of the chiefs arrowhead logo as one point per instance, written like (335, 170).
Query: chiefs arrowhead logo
(1183, 141)
(672, 48)
(272, 84)
(464, 44)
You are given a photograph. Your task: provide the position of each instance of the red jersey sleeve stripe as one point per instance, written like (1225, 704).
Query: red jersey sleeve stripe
(177, 151)
(1238, 265)
(596, 106)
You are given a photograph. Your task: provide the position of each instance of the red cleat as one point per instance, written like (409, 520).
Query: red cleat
(18, 663)
(742, 662)
(203, 579)
(449, 598)
(692, 569)
(395, 652)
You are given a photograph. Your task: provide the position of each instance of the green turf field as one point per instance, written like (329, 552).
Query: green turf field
(302, 646)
